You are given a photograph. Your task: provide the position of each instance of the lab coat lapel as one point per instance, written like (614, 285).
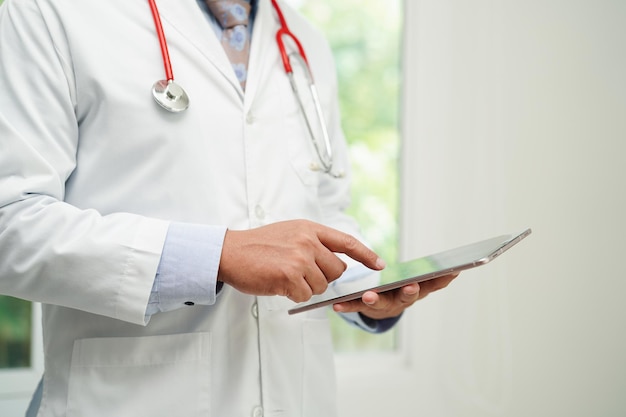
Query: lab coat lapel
(186, 18)
(263, 49)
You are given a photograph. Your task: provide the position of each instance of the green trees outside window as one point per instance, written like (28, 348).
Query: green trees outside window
(15, 333)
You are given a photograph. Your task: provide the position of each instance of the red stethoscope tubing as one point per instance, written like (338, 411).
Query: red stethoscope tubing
(284, 31)
(167, 63)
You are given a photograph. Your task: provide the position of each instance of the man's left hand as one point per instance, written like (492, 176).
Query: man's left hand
(392, 303)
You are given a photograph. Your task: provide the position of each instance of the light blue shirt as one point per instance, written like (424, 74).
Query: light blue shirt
(187, 272)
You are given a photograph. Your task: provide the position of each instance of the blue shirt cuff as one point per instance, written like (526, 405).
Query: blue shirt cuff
(187, 272)
(369, 324)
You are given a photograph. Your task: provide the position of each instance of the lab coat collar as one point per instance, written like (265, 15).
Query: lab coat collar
(188, 20)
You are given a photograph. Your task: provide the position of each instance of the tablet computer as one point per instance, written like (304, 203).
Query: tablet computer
(417, 270)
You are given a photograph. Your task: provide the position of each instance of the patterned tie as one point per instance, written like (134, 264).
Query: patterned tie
(233, 15)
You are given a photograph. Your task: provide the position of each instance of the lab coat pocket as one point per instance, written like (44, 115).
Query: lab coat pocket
(140, 376)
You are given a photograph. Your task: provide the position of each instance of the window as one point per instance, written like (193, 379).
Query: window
(365, 38)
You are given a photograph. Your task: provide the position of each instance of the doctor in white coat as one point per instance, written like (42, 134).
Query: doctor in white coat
(166, 247)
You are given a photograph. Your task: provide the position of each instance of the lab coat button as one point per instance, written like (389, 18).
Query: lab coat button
(257, 412)
(255, 310)
(250, 118)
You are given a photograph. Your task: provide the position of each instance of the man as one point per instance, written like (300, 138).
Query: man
(167, 247)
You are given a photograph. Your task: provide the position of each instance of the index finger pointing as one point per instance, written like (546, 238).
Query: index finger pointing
(340, 242)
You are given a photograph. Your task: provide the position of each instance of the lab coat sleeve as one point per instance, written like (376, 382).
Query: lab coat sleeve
(53, 252)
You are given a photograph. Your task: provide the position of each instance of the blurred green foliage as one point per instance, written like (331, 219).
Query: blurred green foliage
(15, 332)
(365, 38)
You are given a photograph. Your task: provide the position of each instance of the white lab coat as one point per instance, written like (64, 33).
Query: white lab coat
(91, 173)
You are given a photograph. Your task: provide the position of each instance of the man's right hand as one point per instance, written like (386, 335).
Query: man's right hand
(295, 259)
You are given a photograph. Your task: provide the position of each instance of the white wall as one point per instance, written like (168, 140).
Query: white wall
(515, 116)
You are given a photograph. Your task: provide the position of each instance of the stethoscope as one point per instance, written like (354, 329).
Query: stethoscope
(172, 97)
(169, 95)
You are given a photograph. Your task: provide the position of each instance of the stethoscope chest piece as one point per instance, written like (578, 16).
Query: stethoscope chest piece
(171, 96)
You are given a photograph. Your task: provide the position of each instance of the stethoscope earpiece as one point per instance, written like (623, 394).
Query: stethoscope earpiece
(171, 96)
